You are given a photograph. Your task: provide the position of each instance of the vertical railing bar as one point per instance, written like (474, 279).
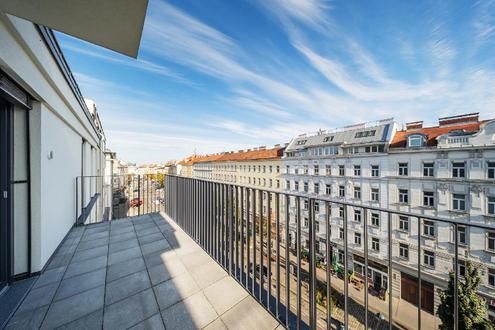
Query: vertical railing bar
(312, 265)
(328, 211)
(248, 234)
(389, 282)
(269, 246)
(231, 231)
(287, 263)
(236, 231)
(298, 252)
(253, 232)
(456, 276)
(346, 270)
(241, 268)
(277, 242)
(260, 228)
(365, 221)
(419, 273)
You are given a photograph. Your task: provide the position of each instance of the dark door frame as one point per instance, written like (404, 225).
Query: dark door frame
(6, 228)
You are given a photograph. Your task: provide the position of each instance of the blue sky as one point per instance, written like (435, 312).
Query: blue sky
(217, 75)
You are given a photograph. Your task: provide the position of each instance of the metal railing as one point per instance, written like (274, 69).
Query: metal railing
(104, 198)
(250, 233)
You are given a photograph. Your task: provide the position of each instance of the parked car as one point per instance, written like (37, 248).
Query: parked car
(136, 202)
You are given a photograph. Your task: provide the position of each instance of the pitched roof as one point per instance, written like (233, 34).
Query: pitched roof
(263, 154)
(431, 133)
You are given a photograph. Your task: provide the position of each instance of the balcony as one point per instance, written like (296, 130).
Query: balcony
(142, 272)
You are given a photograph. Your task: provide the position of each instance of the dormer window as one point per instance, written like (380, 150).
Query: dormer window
(328, 139)
(301, 142)
(415, 141)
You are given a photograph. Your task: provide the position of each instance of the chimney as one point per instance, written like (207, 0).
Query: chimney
(460, 119)
(414, 125)
(262, 148)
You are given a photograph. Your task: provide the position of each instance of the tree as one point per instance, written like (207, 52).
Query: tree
(472, 309)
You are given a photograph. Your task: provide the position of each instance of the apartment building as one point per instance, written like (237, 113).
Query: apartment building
(445, 171)
(49, 136)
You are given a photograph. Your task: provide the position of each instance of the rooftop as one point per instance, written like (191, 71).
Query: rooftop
(142, 272)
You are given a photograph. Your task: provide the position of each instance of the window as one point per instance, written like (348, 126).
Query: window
(316, 188)
(305, 204)
(375, 219)
(317, 226)
(296, 170)
(328, 189)
(404, 251)
(287, 169)
(491, 205)
(428, 198)
(403, 196)
(429, 228)
(341, 233)
(375, 195)
(270, 168)
(357, 170)
(357, 192)
(270, 183)
(305, 169)
(459, 202)
(328, 170)
(357, 239)
(462, 268)
(491, 241)
(328, 139)
(415, 141)
(491, 170)
(278, 169)
(375, 244)
(296, 185)
(375, 170)
(429, 259)
(305, 221)
(341, 211)
(357, 215)
(428, 169)
(278, 183)
(341, 170)
(462, 235)
(458, 170)
(404, 223)
(491, 276)
(287, 184)
(316, 170)
(316, 207)
(341, 191)
(403, 169)
(365, 134)
(301, 142)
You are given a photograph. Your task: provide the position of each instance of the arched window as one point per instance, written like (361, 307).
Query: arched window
(415, 141)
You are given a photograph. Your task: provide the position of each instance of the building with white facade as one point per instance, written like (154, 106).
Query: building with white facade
(445, 171)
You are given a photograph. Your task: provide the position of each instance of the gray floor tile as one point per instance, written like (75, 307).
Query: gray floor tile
(30, 319)
(122, 237)
(59, 261)
(90, 321)
(156, 246)
(77, 268)
(50, 276)
(90, 253)
(216, 325)
(164, 272)
(81, 283)
(221, 301)
(153, 323)
(116, 257)
(175, 290)
(93, 236)
(150, 238)
(159, 258)
(126, 286)
(248, 314)
(74, 307)
(123, 245)
(130, 311)
(195, 259)
(92, 244)
(121, 230)
(207, 274)
(125, 268)
(147, 231)
(193, 313)
(38, 297)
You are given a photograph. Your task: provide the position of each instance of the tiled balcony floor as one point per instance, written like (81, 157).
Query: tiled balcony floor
(140, 273)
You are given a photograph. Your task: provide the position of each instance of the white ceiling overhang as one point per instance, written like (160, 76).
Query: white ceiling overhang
(113, 24)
